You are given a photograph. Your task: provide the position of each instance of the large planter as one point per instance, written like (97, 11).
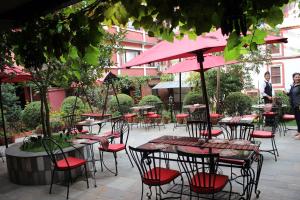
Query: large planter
(28, 168)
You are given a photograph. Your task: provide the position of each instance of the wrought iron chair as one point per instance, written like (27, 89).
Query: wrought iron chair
(152, 172)
(62, 162)
(116, 147)
(116, 128)
(70, 125)
(201, 172)
(199, 129)
(262, 134)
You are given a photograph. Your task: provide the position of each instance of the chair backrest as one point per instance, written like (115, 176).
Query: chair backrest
(237, 130)
(198, 114)
(53, 150)
(148, 163)
(196, 127)
(70, 121)
(200, 170)
(121, 126)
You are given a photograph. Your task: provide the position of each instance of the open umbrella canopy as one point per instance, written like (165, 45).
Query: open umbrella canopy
(191, 64)
(211, 42)
(14, 74)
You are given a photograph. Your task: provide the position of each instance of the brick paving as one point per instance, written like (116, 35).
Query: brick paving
(279, 180)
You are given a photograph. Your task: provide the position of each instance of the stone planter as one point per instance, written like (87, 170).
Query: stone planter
(27, 168)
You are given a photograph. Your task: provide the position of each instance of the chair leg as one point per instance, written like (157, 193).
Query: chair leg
(116, 163)
(86, 176)
(69, 180)
(52, 176)
(101, 160)
(142, 191)
(128, 157)
(274, 149)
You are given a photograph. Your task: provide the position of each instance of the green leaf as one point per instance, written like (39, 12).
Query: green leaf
(259, 36)
(253, 46)
(275, 16)
(232, 54)
(77, 74)
(233, 41)
(92, 55)
(73, 53)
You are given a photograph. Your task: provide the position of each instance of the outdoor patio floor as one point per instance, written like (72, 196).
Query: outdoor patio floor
(279, 180)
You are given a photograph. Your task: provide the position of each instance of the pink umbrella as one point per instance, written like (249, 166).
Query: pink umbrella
(13, 74)
(191, 64)
(211, 42)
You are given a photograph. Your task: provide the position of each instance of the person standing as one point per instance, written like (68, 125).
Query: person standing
(294, 95)
(266, 89)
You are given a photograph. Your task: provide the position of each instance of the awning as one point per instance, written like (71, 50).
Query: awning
(171, 84)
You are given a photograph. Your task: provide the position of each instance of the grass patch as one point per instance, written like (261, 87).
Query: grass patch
(291, 123)
(34, 144)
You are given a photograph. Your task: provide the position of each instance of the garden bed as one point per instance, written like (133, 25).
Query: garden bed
(28, 168)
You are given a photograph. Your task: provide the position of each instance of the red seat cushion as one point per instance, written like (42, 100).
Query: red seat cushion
(262, 134)
(129, 115)
(73, 163)
(288, 117)
(113, 148)
(219, 184)
(154, 116)
(269, 113)
(215, 115)
(232, 161)
(150, 113)
(214, 132)
(182, 115)
(164, 176)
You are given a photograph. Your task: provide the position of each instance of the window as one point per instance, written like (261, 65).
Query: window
(275, 49)
(127, 55)
(275, 74)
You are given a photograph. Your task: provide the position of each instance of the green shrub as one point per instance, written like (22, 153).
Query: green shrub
(146, 100)
(192, 98)
(31, 115)
(237, 103)
(68, 106)
(285, 100)
(125, 101)
(151, 100)
(55, 127)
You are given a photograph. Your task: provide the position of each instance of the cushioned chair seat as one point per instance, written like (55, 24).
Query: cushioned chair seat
(288, 117)
(214, 132)
(113, 147)
(220, 182)
(73, 163)
(154, 116)
(150, 113)
(215, 115)
(182, 115)
(262, 134)
(269, 113)
(166, 176)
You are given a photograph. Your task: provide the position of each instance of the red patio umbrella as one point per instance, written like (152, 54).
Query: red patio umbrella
(209, 43)
(191, 64)
(13, 74)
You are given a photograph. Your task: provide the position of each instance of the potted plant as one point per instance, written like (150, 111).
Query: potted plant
(166, 116)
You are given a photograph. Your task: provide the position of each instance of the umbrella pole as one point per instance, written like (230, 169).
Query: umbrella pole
(2, 114)
(200, 60)
(180, 106)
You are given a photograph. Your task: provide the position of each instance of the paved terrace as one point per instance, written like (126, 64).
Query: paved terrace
(279, 180)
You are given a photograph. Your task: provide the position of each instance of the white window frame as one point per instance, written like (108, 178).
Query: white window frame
(280, 70)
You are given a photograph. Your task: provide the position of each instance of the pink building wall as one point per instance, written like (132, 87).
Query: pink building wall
(56, 96)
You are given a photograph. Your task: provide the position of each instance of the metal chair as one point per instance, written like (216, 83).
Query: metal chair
(240, 131)
(199, 129)
(152, 172)
(62, 162)
(201, 172)
(70, 125)
(114, 148)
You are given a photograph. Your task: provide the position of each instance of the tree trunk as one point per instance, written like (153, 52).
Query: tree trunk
(47, 113)
(42, 113)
